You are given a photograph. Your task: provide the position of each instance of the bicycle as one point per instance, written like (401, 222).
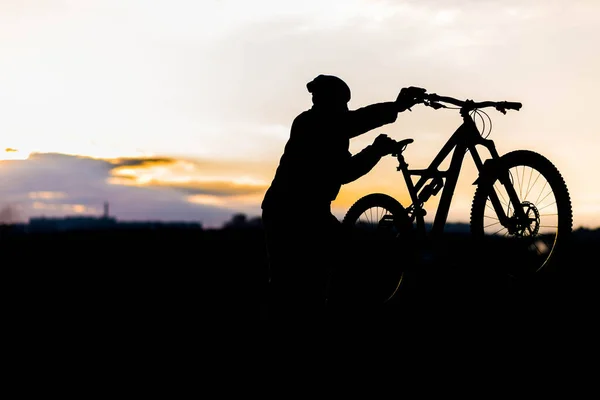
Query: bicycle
(521, 211)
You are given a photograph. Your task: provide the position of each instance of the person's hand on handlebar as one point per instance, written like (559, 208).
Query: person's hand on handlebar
(409, 96)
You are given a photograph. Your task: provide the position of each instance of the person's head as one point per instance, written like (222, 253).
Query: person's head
(329, 92)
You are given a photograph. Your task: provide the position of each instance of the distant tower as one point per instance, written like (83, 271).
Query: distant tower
(106, 209)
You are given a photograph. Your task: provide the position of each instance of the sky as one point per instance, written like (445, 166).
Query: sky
(179, 109)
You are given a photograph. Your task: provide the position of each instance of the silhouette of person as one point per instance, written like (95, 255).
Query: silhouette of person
(302, 235)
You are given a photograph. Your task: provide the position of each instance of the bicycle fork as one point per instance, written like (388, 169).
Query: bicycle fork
(513, 224)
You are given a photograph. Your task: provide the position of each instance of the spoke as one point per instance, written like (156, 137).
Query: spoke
(499, 193)
(534, 182)
(522, 182)
(503, 201)
(492, 219)
(518, 182)
(542, 191)
(551, 204)
(544, 198)
(493, 225)
(499, 230)
(366, 217)
(528, 183)
(548, 226)
(529, 229)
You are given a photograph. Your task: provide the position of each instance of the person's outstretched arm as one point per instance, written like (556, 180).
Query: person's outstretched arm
(373, 116)
(370, 117)
(364, 161)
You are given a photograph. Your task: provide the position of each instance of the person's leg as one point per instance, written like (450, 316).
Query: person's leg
(301, 257)
(350, 281)
(331, 255)
(296, 291)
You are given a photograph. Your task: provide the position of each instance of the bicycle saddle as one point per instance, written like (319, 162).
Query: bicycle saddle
(403, 143)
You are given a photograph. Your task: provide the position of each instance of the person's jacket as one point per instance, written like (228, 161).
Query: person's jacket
(317, 161)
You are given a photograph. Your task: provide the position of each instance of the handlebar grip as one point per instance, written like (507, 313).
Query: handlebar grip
(511, 105)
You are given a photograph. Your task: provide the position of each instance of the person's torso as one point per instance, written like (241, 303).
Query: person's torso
(315, 156)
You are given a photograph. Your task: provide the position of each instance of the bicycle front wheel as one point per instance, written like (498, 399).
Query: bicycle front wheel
(533, 245)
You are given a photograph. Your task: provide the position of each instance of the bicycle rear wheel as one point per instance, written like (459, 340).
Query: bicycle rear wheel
(383, 241)
(524, 248)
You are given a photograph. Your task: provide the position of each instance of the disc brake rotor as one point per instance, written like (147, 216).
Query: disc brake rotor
(528, 227)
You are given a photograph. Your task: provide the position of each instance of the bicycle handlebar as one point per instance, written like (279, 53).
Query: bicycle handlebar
(501, 106)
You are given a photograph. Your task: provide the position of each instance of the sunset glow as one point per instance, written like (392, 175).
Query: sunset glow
(14, 154)
(181, 109)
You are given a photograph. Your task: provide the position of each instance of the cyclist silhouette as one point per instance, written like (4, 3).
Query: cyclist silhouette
(302, 235)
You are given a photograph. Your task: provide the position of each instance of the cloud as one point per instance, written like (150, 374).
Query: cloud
(58, 185)
(223, 188)
(186, 176)
(140, 162)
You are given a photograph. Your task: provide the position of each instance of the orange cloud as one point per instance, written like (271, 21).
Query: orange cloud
(221, 188)
(183, 175)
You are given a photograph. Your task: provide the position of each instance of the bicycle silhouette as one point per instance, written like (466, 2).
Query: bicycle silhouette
(521, 212)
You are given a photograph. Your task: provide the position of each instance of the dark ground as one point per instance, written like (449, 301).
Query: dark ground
(185, 280)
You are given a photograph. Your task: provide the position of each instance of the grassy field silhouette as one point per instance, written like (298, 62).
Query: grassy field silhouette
(182, 277)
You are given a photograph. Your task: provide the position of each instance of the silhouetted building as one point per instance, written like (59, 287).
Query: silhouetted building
(178, 225)
(79, 223)
(53, 224)
(239, 221)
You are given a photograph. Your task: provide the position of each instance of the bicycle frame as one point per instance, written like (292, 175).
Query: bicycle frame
(466, 138)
